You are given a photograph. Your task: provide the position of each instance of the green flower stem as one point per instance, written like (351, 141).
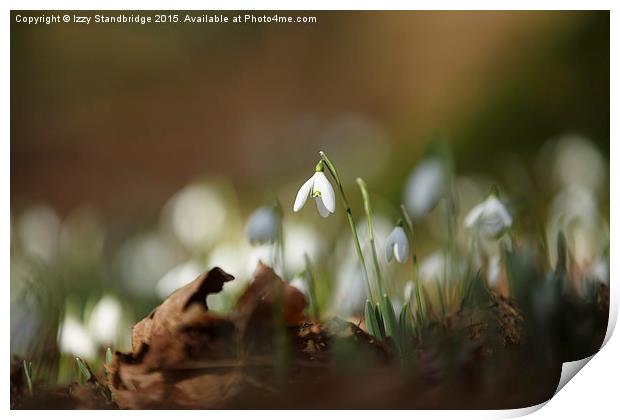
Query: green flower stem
(345, 202)
(28, 373)
(371, 234)
(421, 315)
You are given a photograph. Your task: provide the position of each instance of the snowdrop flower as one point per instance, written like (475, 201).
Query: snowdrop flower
(263, 225)
(319, 187)
(73, 339)
(425, 187)
(490, 218)
(105, 321)
(397, 245)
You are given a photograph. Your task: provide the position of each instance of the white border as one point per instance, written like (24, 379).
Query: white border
(593, 394)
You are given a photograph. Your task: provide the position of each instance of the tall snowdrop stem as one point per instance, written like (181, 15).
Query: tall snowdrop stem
(371, 234)
(345, 202)
(421, 310)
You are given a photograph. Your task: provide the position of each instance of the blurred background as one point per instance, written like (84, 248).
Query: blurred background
(138, 151)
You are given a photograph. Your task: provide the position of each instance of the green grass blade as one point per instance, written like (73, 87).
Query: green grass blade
(108, 356)
(371, 320)
(84, 370)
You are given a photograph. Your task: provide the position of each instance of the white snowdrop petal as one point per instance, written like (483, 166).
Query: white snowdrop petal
(322, 184)
(400, 252)
(505, 216)
(474, 214)
(397, 245)
(303, 194)
(321, 207)
(402, 245)
(389, 251)
(389, 247)
(490, 218)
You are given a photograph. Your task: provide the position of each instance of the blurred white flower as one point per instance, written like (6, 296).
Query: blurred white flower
(320, 188)
(383, 226)
(301, 284)
(490, 218)
(73, 339)
(232, 257)
(263, 225)
(425, 187)
(576, 204)
(350, 294)
(432, 267)
(105, 321)
(178, 277)
(143, 260)
(300, 239)
(38, 230)
(198, 215)
(578, 163)
(575, 211)
(397, 245)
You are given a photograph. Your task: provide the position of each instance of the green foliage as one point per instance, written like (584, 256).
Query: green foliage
(28, 373)
(108, 356)
(372, 323)
(85, 374)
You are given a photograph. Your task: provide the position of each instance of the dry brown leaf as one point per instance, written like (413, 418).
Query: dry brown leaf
(174, 348)
(187, 305)
(256, 305)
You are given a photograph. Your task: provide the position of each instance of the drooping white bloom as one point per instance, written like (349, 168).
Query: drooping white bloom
(105, 321)
(490, 218)
(425, 187)
(73, 339)
(319, 187)
(263, 225)
(577, 163)
(397, 245)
